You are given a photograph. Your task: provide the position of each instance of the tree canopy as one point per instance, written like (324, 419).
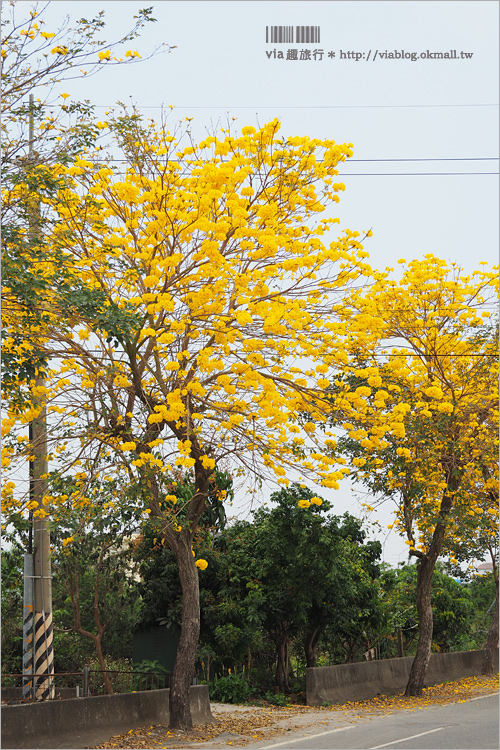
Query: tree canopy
(277, 581)
(431, 364)
(196, 286)
(190, 311)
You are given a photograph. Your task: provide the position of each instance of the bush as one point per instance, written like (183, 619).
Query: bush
(151, 666)
(148, 669)
(71, 651)
(277, 699)
(234, 688)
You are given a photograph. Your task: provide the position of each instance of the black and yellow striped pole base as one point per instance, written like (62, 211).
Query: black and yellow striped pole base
(44, 656)
(28, 628)
(28, 651)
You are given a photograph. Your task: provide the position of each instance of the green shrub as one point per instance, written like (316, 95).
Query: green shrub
(148, 667)
(151, 666)
(277, 699)
(234, 688)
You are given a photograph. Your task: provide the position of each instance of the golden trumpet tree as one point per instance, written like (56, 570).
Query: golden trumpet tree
(474, 536)
(424, 350)
(37, 55)
(40, 129)
(201, 329)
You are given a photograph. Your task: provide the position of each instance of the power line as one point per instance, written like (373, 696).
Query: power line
(296, 106)
(441, 311)
(339, 174)
(387, 174)
(371, 174)
(350, 161)
(408, 355)
(410, 174)
(446, 158)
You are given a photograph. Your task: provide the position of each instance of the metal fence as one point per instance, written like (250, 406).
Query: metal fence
(123, 681)
(87, 682)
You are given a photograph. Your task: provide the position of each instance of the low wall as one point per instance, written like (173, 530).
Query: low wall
(83, 722)
(363, 680)
(16, 693)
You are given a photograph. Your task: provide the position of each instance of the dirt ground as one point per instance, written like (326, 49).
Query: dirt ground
(238, 726)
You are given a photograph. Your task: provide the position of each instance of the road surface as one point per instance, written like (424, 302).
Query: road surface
(471, 725)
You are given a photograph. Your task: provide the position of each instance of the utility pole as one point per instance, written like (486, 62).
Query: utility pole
(28, 601)
(42, 580)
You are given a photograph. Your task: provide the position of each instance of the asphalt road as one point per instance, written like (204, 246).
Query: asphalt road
(472, 725)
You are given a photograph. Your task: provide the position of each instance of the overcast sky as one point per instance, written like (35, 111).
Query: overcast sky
(416, 125)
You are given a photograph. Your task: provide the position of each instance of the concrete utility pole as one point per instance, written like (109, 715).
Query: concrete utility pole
(43, 640)
(42, 589)
(28, 602)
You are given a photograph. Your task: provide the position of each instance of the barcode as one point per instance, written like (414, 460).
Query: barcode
(285, 34)
(307, 34)
(279, 34)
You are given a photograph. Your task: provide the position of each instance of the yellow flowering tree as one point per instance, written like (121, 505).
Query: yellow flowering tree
(475, 537)
(425, 353)
(36, 57)
(201, 327)
(38, 130)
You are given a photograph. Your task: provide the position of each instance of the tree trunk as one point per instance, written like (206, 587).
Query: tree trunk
(182, 675)
(101, 628)
(424, 609)
(401, 649)
(350, 651)
(491, 645)
(426, 564)
(281, 674)
(278, 675)
(102, 665)
(286, 662)
(74, 591)
(310, 644)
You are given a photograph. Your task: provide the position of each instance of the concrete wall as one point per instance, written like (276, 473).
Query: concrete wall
(363, 680)
(16, 693)
(83, 722)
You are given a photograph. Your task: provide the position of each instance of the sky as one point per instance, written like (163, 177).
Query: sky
(424, 127)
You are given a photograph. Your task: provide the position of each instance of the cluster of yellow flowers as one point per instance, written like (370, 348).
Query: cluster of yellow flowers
(230, 327)
(435, 356)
